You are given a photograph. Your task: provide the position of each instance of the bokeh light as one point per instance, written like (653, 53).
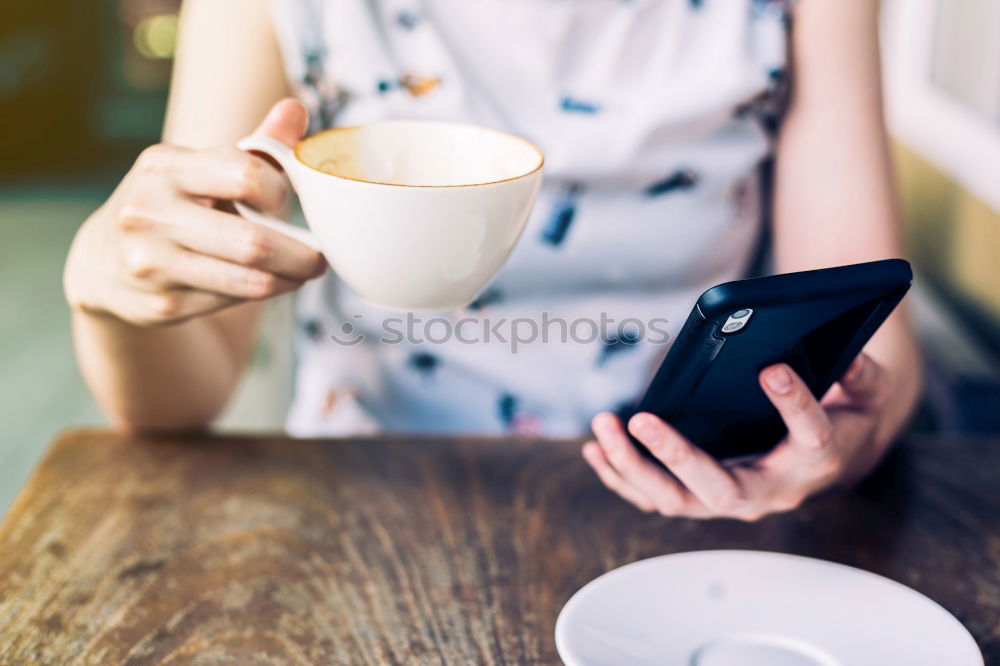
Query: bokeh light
(156, 36)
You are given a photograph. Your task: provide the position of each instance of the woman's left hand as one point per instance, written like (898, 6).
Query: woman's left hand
(829, 442)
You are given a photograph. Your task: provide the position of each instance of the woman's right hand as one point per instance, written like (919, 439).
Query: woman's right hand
(160, 252)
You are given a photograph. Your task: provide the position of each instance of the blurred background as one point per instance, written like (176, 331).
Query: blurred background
(83, 89)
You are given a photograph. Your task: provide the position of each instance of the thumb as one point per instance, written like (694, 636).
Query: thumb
(865, 380)
(286, 121)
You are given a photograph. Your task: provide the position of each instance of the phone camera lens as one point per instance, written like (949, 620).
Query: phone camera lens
(740, 314)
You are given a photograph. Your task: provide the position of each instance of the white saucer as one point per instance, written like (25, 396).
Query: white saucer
(747, 608)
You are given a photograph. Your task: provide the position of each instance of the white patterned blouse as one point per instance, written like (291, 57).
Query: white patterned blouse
(655, 117)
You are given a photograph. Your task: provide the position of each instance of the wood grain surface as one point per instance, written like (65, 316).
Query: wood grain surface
(222, 550)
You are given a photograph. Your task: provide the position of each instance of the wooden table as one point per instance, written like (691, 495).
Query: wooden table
(390, 551)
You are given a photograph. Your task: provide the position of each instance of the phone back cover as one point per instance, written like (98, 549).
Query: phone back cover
(816, 321)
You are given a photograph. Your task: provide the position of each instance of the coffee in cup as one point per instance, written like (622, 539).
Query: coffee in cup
(413, 215)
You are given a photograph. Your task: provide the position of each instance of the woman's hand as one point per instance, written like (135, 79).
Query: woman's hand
(159, 252)
(828, 442)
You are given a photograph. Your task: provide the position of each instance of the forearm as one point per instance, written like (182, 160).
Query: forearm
(834, 199)
(894, 347)
(165, 378)
(227, 74)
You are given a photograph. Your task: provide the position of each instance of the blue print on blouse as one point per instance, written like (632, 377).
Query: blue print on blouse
(696, 4)
(772, 8)
(424, 363)
(573, 105)
(617, 343)
(326, 106)
(683, 179)
(624, 410)
(314, 68)
(312, 329)
(408, 19)
(507, 409)
(415, 84)
(768, 107)
(489, 297)
(561, 217)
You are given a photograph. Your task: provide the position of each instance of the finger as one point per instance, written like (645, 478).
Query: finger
(199, 271)
(594, 456)
(168, 307)
(865, 380)
(234, 174)
(234, 239)
(700, 473)
(180, 304)
(807, 422)
(286, 121)
(219, 173)
(666, 494)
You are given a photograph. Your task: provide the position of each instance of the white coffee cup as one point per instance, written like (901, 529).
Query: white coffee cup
(412, 215)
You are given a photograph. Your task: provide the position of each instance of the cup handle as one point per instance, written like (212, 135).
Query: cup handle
(283, 155)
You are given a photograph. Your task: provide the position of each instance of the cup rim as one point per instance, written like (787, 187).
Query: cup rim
(510, 135)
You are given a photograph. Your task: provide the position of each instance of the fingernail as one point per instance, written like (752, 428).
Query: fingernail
(601, 423)
(275, 112)
(642, 425)
(778, 379)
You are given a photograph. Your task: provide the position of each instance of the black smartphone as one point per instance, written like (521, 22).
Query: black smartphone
(815, 321)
